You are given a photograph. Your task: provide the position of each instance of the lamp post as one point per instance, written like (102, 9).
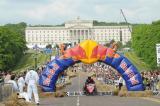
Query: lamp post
(79, 38)
(35, 57)
(48, 52)
(35, 60)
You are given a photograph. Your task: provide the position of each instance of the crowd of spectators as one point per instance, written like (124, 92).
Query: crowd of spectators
(109, 75)
(11, 78)
(103, 72)
(151, 80)
(5, 76)
(21, 83)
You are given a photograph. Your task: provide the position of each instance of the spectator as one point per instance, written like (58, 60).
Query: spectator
(120, 83)
(13, 82)
(7, 77)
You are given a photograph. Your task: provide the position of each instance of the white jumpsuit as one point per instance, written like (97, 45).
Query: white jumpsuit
(31, 79)
(21, 84)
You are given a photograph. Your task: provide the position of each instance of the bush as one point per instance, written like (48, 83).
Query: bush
(14, 101)
(60, 94)
(115, 92)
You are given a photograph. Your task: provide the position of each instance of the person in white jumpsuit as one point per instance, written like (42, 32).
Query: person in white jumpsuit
(32, 79)
(21, 83)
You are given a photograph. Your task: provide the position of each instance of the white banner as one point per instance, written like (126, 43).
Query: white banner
(158, 54)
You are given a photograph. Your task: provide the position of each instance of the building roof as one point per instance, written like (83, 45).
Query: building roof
(45, 28)
(79, 21)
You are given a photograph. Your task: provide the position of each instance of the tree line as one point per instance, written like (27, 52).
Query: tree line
(12, 44)
(101, 23)
(144, 40)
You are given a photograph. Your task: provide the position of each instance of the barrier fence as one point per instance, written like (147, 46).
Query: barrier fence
(81, 93)
(5, 90)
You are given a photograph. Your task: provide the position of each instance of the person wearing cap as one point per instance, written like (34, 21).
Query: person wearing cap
(32, 79)
(89, 80)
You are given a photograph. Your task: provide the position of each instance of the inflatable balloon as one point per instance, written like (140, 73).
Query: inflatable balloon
(89, 52)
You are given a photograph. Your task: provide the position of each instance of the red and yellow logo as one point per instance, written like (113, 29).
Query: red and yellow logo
(89, 52)
(89, 46)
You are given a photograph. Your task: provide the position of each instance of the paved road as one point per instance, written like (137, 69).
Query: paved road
(96, 100)
(77, 83)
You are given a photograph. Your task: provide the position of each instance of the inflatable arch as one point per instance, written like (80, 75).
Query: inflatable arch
(89, 52)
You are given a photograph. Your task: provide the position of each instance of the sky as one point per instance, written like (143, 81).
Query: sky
(53, 12)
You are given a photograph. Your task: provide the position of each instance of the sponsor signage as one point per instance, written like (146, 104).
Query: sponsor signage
(158, 54)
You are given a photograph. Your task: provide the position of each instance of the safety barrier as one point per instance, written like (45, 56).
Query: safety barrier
(5, 90)
(156, 93)
(80, 93)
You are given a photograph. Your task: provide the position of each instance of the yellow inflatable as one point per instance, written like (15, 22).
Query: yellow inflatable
(88, 46)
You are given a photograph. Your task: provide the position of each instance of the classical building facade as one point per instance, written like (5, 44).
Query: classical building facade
(75, 31)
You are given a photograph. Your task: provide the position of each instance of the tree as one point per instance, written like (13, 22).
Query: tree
(120, 45)
(49, 46)
(128, 44)
(97, 23)
(144, 39)
(12, 44)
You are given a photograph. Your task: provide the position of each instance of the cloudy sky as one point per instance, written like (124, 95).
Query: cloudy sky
(58, 11)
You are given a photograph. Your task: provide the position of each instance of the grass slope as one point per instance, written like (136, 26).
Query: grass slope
(137, 61)
(29, 61)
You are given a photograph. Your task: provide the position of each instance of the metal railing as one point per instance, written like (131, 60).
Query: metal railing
(5, 90)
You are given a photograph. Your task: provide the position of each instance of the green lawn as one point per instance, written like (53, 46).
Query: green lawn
(29, 61)
(137, 61)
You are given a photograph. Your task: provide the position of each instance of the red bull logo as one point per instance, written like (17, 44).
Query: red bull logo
(89, 52)
(99, 52)
(76, 53)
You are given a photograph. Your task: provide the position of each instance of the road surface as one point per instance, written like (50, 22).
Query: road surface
(99, 101)
(77, 84)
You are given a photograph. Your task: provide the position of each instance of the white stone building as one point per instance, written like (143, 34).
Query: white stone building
(75, 31)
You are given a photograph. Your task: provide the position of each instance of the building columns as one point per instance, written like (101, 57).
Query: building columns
(79, 34)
